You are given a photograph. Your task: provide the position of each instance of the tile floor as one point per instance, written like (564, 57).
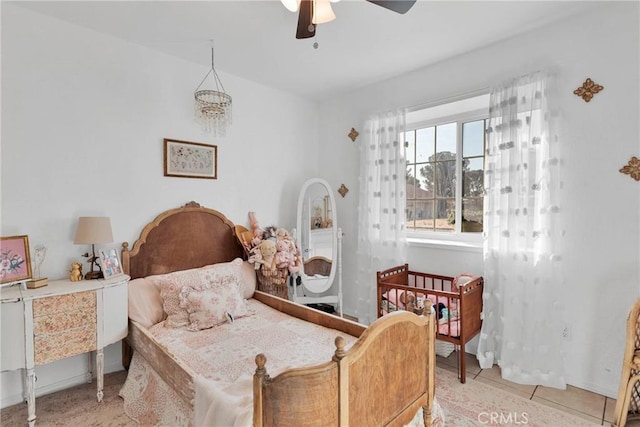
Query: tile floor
(585, 404)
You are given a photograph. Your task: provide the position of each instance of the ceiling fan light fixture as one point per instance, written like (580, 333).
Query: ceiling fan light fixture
(291, 5)
(322, 12)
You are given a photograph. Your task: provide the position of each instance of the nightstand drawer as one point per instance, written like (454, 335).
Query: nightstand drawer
(63, 326)
(64, 303)
(52, 347)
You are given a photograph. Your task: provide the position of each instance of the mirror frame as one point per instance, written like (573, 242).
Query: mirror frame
(334, 233)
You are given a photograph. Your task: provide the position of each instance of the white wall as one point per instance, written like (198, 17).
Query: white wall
(603, 206)
(83, 120)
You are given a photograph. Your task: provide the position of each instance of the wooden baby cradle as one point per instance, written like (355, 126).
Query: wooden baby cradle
(459, 304)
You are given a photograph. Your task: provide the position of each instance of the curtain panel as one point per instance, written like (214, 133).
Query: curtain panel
(522, 326)
(382, 236)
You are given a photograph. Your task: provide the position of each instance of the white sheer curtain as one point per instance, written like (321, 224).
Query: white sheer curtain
(382, 236)
(522, 327)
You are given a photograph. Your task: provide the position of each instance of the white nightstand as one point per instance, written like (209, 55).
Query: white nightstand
(61, 320)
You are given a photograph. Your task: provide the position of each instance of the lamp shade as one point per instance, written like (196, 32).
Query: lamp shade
(93, 229)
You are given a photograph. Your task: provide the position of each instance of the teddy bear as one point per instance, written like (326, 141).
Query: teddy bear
(76, 272)
(267, 249)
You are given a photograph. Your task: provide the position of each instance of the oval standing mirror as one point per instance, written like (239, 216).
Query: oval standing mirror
(318, 238)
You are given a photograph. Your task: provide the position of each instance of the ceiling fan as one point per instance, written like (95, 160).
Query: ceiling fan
(314, 12)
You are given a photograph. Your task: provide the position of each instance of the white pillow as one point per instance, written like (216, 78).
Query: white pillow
(145, 302)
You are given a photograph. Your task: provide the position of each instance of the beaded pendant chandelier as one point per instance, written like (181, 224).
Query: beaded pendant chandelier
(213, 106)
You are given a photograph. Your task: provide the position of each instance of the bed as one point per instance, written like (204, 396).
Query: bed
(456, 302)
(377, 375)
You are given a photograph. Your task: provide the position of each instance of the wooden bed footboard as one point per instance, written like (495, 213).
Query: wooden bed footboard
(358, 387)
(401, 288)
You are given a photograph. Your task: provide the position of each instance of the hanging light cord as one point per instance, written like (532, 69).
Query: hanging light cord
(216, 79)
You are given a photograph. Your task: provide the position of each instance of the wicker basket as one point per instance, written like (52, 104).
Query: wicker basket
(274, 282)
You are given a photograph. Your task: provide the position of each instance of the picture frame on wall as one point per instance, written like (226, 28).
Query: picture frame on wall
(110, 263)
(187, 159)
(15, 259)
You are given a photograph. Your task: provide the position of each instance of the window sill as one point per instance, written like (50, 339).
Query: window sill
(453, 245)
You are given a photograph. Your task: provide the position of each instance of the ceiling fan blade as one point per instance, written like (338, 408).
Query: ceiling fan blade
(399, 6)
(306, 28)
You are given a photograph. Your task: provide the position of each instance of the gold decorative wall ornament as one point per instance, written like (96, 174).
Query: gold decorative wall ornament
(588, 89)
(353, 135)
(632, 168)
(343, 190)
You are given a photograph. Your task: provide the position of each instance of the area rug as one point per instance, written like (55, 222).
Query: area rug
(478, 404)
(470, 404)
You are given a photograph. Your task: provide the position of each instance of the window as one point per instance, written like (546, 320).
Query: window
(445, 167)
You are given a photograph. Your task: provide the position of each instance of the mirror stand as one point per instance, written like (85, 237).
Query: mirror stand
(299, 296)
(320, 243)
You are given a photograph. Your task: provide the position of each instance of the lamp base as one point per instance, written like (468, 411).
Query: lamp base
(93, 275)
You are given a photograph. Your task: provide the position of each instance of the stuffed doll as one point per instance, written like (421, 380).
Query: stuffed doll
(269, 233)
(283, 257)
(294, 264)
(282, 234)
(268, 251)
(255, 257)
(255, 228)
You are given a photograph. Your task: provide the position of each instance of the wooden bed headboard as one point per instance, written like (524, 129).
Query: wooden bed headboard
(179, 239)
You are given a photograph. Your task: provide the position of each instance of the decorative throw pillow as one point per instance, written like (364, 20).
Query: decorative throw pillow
(224, 271)
(214, 304)
(171, 284)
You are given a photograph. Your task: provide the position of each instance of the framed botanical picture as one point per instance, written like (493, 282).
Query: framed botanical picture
(15, 261)
(110, 263)
(190, 159)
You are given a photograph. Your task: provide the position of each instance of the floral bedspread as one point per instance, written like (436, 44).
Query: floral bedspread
(225, 353)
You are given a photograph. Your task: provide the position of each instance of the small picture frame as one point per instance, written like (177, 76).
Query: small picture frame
(15, 259)
(110, 263)
(190, 159)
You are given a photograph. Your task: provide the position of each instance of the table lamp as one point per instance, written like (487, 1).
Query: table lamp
(92, 230)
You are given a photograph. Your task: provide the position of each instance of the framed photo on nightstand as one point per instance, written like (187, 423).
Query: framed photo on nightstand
(110, 263)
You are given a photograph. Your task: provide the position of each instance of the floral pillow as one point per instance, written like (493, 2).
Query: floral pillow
(215, 304)
(171, 284)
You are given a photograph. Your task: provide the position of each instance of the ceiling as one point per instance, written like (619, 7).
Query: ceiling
(256, 40)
